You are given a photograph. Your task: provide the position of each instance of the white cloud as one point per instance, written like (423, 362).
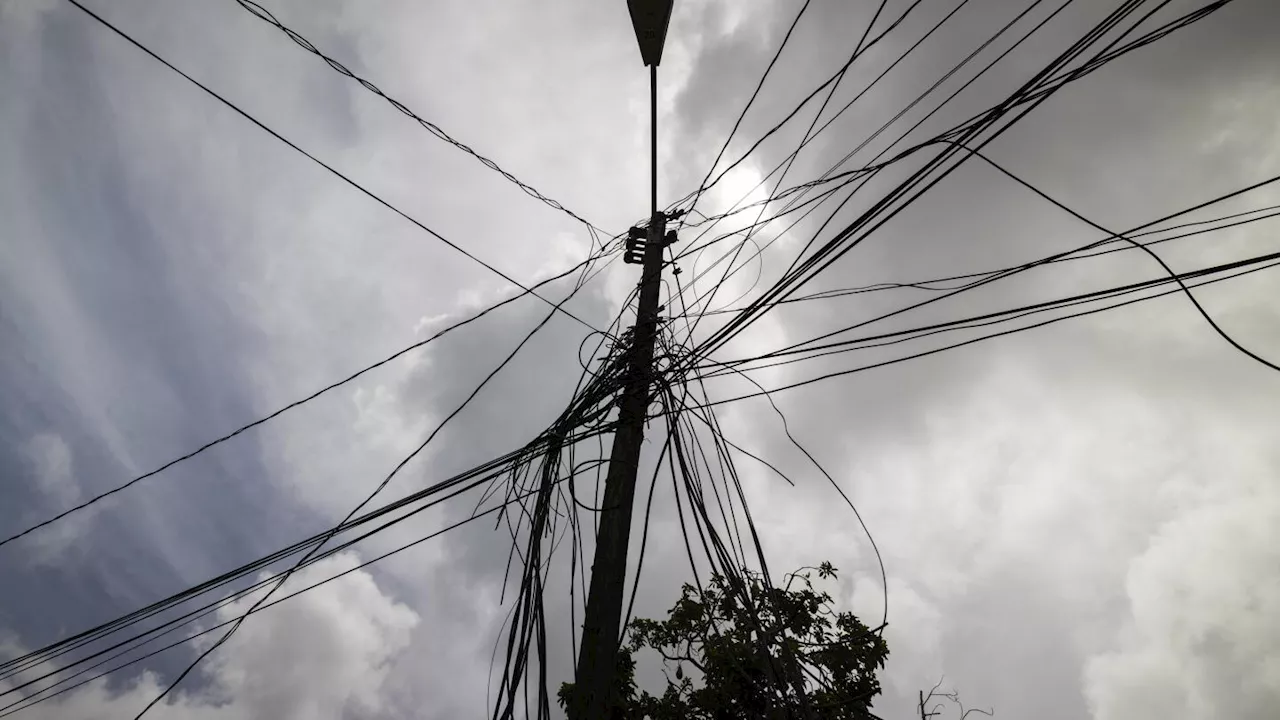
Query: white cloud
(322, 655)
(1022, 476)
(51, 462)
(1203, 638)
(52, 467)
(1029, 498)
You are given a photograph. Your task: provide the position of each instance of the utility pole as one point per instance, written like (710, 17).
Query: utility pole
(595, 680)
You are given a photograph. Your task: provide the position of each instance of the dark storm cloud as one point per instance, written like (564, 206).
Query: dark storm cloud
(121, 349)
(191, 312)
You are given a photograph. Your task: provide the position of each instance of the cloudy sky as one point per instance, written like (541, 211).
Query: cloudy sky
(1079, 521)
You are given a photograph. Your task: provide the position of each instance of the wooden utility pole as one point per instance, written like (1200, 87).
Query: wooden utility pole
(595, 680)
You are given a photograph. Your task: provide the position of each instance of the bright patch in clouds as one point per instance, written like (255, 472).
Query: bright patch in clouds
(51, 461)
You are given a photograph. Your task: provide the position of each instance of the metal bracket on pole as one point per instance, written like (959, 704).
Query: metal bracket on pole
(638, 240)
(636, 243)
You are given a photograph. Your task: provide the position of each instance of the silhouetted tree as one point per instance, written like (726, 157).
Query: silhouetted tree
(931, 705)
(743, 649)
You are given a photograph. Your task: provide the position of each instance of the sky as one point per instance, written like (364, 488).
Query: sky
(1078, 521)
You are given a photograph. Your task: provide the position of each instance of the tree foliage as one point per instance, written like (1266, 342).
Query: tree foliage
(743, 649)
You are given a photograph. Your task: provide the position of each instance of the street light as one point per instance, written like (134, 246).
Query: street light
(650, 19)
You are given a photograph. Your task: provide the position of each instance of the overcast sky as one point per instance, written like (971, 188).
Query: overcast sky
(1079, 521)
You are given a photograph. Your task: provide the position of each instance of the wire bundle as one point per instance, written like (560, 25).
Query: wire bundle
(538, 493)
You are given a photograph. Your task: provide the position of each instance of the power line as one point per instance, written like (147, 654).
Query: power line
(1111, 238)
(884, 577)
(532, 473)
(991, 318)
(884, 210)
(217, 643)
(825, 125)
(974, 276)
(858, 52)
(934, 351)
(296, 403)
(866, 172)
(1139, 246)
(703, 186)
(472, 478)
(310, 553)
(290, 406)
(12, 707)
(808, 132)
(318, 161)
(265, 15)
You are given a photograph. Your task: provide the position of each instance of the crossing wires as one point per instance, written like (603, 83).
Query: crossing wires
(266, 16)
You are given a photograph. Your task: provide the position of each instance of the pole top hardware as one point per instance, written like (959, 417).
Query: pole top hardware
(636, 242)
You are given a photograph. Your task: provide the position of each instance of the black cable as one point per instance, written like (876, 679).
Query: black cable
(868, 222)
(703, 186)
(1199, 308)
(526, 291)
(229, 436)
(867, 172)
(360, 506)
(864, 172)
(6, 710)
(991, 318)
(825, 125)
(1117, 16)
(721, 558)
(477, 475)
(971, 341)
(858, 52)
(316, 160)
(265, 15)
(526, 627)
(790, 162)
(956, 68)
(286, 408)
(786, 428)
(975, 276)
(1046, 260)
(210, 608)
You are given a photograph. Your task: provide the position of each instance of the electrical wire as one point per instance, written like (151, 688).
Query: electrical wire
(992, 318)
(1137, 245)
(703, 186)
(868, 171)
(370, 194)
(540, 516)
(188, 456)
(1111, 238)
(971, 341)
(292, 405)
(898, 199)
(928, 285)
(265, 15)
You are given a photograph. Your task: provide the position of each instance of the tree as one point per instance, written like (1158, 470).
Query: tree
(930, 708)
(755, 651)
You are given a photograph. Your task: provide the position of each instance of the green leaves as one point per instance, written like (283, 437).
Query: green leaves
(756, 651)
